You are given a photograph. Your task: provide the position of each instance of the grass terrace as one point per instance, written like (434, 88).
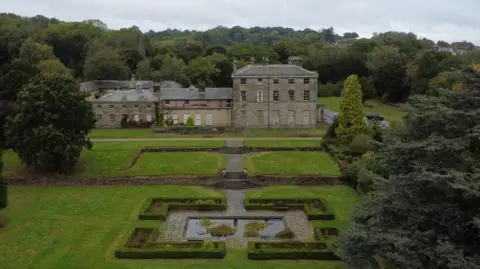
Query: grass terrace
(291, 163)
(390, 113)
(87, 224)
(107, 159)
(282, 143)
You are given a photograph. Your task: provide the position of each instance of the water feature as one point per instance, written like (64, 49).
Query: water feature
(197, 227)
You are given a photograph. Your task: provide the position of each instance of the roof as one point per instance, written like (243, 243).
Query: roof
(128, 96)
(194, 94)
(166, 94)
(274, 70)
(94, 85)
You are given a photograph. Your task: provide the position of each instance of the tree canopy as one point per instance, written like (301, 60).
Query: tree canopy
(351, 117)
(50, 129)
(424, 211)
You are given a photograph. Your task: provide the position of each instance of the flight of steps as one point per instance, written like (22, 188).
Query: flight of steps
(235, 184)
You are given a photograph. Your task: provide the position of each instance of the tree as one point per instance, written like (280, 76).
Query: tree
(350, 35)
(143, 70)
(104, 65)
(53, 66)
(351, 117)
(201, 70)
(50, 129)
(424, 212)
(34, 52)
(173, 69)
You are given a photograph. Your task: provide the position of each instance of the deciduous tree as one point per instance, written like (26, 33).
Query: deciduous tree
(50, 129)
(351, 117)
(53, 66)
(105, 64)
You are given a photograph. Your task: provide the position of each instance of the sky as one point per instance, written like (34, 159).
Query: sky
(449, 20)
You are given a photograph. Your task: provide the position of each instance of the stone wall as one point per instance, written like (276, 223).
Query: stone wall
(261, 111)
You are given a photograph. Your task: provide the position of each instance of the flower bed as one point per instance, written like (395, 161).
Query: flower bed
(141, 245)
(157, 208)
(316, 209)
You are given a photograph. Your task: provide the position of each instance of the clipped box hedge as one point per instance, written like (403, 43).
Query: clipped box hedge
(292, 204)
(178, 204)
(141, 244)
(290, 250)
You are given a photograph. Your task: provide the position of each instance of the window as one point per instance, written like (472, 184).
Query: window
(187, 102)
(201, 89)
(124, 106)
(291, 95)
(243, 81)
(135, 106)
(185, 118)
(243, 95)
(99, 106)
(259, 96)
(167, 102)
(306, 95)
(148, 105)
(198, 119)
(112, 117)
(175, 118)
(291, 81)
(229, 103)
(276, 96)
(112, 106)
(259, 80)
(99, 117)
(149, 117)
(306, 81)
(209, 119)
(136, 118)
(276, 81)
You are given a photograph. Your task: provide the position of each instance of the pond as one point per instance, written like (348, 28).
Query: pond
(254, 227)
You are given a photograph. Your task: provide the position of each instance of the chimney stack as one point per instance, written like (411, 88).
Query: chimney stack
(295, 60)
(234, 65)
(252, 60)
(156, 87)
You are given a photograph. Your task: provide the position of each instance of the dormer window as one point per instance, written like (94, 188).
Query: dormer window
(291, 81)
(306, 81)
(201, 89)
(259, 81)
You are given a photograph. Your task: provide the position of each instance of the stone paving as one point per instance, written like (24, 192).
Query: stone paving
(296, 220)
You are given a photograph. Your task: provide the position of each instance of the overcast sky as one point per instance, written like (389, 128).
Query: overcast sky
(449, 20)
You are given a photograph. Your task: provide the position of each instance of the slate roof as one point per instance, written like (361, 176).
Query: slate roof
(166, 94)
(94, 85)
(193, 94)
(274, 70)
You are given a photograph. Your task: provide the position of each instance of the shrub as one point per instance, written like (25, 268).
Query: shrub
(285, 233)
(351, 116)
(360, 144)
(3, 193)
(221, 230)
(190, 123)
(253, 229)
(330, 89)
(206, 222)
(208, 245)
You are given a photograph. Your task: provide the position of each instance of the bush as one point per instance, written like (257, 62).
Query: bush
(290, 251)
(175, 250)
(330, 89)
(253, 228)
(164, 205)
(190, 123)
(221, 230)
(331, 131)
(285, 233)
(360, 144)
(208, 245)
(3, 193)
(206, 222)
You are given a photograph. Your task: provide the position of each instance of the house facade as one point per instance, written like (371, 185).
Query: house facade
(263, 96)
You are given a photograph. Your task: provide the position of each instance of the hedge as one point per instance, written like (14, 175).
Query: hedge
(3, 193)
(292, 204)
(150, 249)
(291, 250)
(179, 204)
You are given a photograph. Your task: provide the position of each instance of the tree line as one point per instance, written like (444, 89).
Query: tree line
(391, 66)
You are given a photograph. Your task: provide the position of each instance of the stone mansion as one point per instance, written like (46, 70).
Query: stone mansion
(263, 96)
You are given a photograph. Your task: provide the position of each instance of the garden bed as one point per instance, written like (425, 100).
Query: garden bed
(316, 209)
(157, 208)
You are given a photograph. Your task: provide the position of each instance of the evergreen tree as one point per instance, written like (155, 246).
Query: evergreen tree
(425, 212)
(350, 119)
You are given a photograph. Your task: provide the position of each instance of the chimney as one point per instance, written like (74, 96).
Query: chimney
(201, 88)
(295, 60)
(252, 60)
(265, 60)
(234, 66)
(156, 87)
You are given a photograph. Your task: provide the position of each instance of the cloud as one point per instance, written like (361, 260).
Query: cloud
(438, 20)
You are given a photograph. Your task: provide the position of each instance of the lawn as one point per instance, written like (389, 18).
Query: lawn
(80, 227)
(147, 133)
(390, 113)
(282, 143)
(339, 198)
(107, 158)
(291, 163)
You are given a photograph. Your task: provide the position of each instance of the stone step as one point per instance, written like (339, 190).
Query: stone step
(235, 185)
(235, 175)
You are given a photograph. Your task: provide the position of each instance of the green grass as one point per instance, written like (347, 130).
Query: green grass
(80, 227)
(291, 163)
(282, 143)
(338, 198)
(390, 113)
(106, 159)
(147, 133)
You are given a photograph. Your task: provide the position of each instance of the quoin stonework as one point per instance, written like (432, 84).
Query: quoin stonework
(263, 96)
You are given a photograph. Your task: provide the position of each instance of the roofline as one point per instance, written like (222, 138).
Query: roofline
(314, 75)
